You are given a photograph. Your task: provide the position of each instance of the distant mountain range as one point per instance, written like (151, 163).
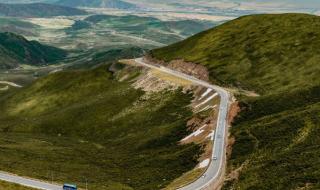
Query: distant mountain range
(15, 50)
(27, 1)
(117, 4)
(225, 7)
(38, 10)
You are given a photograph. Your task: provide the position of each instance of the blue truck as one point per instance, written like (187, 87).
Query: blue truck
(69, 187)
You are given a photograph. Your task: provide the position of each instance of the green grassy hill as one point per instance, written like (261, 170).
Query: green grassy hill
(15, 50)
(265, 53)
(10, 186)
(277, 141)
(37, 10)
(277, 134)
(81, 125)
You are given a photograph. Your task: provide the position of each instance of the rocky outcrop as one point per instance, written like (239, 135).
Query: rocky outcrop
(196, 70)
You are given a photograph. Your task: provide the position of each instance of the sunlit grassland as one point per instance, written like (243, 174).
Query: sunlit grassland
(10, 186)
(276, 134)
(85, 125)
(185, 179)
(51, 23)
(256, 52)
(277, 138)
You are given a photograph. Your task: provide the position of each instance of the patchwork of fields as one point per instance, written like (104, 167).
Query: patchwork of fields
(100, 31)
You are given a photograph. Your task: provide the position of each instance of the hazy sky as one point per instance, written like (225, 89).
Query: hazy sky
(258, 4)
(265, 6)
(289, 3)
(283, 4)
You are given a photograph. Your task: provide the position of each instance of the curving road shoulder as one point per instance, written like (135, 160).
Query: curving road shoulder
(28, 182)
(216, 166)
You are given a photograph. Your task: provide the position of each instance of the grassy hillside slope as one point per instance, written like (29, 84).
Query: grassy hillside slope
(38, 10)
(15, 49)
(277, 134)
(85, 125)
(10, 186)
(266, 53)
(277, 142)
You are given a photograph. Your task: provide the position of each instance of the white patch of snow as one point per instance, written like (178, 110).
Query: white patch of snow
(203, 126)
(205, 93)
(211, 135)
(196, 133)
(11, 84)
(55, 71)
(204, 163)
(206, 108)
(4, 88)
(207, 100)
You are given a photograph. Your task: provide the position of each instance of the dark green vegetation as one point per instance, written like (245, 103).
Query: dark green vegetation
(277, 134)
(86, 125)
(277, 140)
(78, 25)
(15, 50)
(10, 186)
(116, 4)
(267, 53)
(37, 10)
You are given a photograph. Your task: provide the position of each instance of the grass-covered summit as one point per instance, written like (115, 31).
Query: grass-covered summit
(277, 144)
(266, 53)
(15, 50)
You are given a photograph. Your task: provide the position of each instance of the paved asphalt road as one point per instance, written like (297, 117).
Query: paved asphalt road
(28, 182)
(217, 161)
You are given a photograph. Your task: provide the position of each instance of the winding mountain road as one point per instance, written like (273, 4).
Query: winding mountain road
(28, 182)
(216, 166)
(218, 157)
